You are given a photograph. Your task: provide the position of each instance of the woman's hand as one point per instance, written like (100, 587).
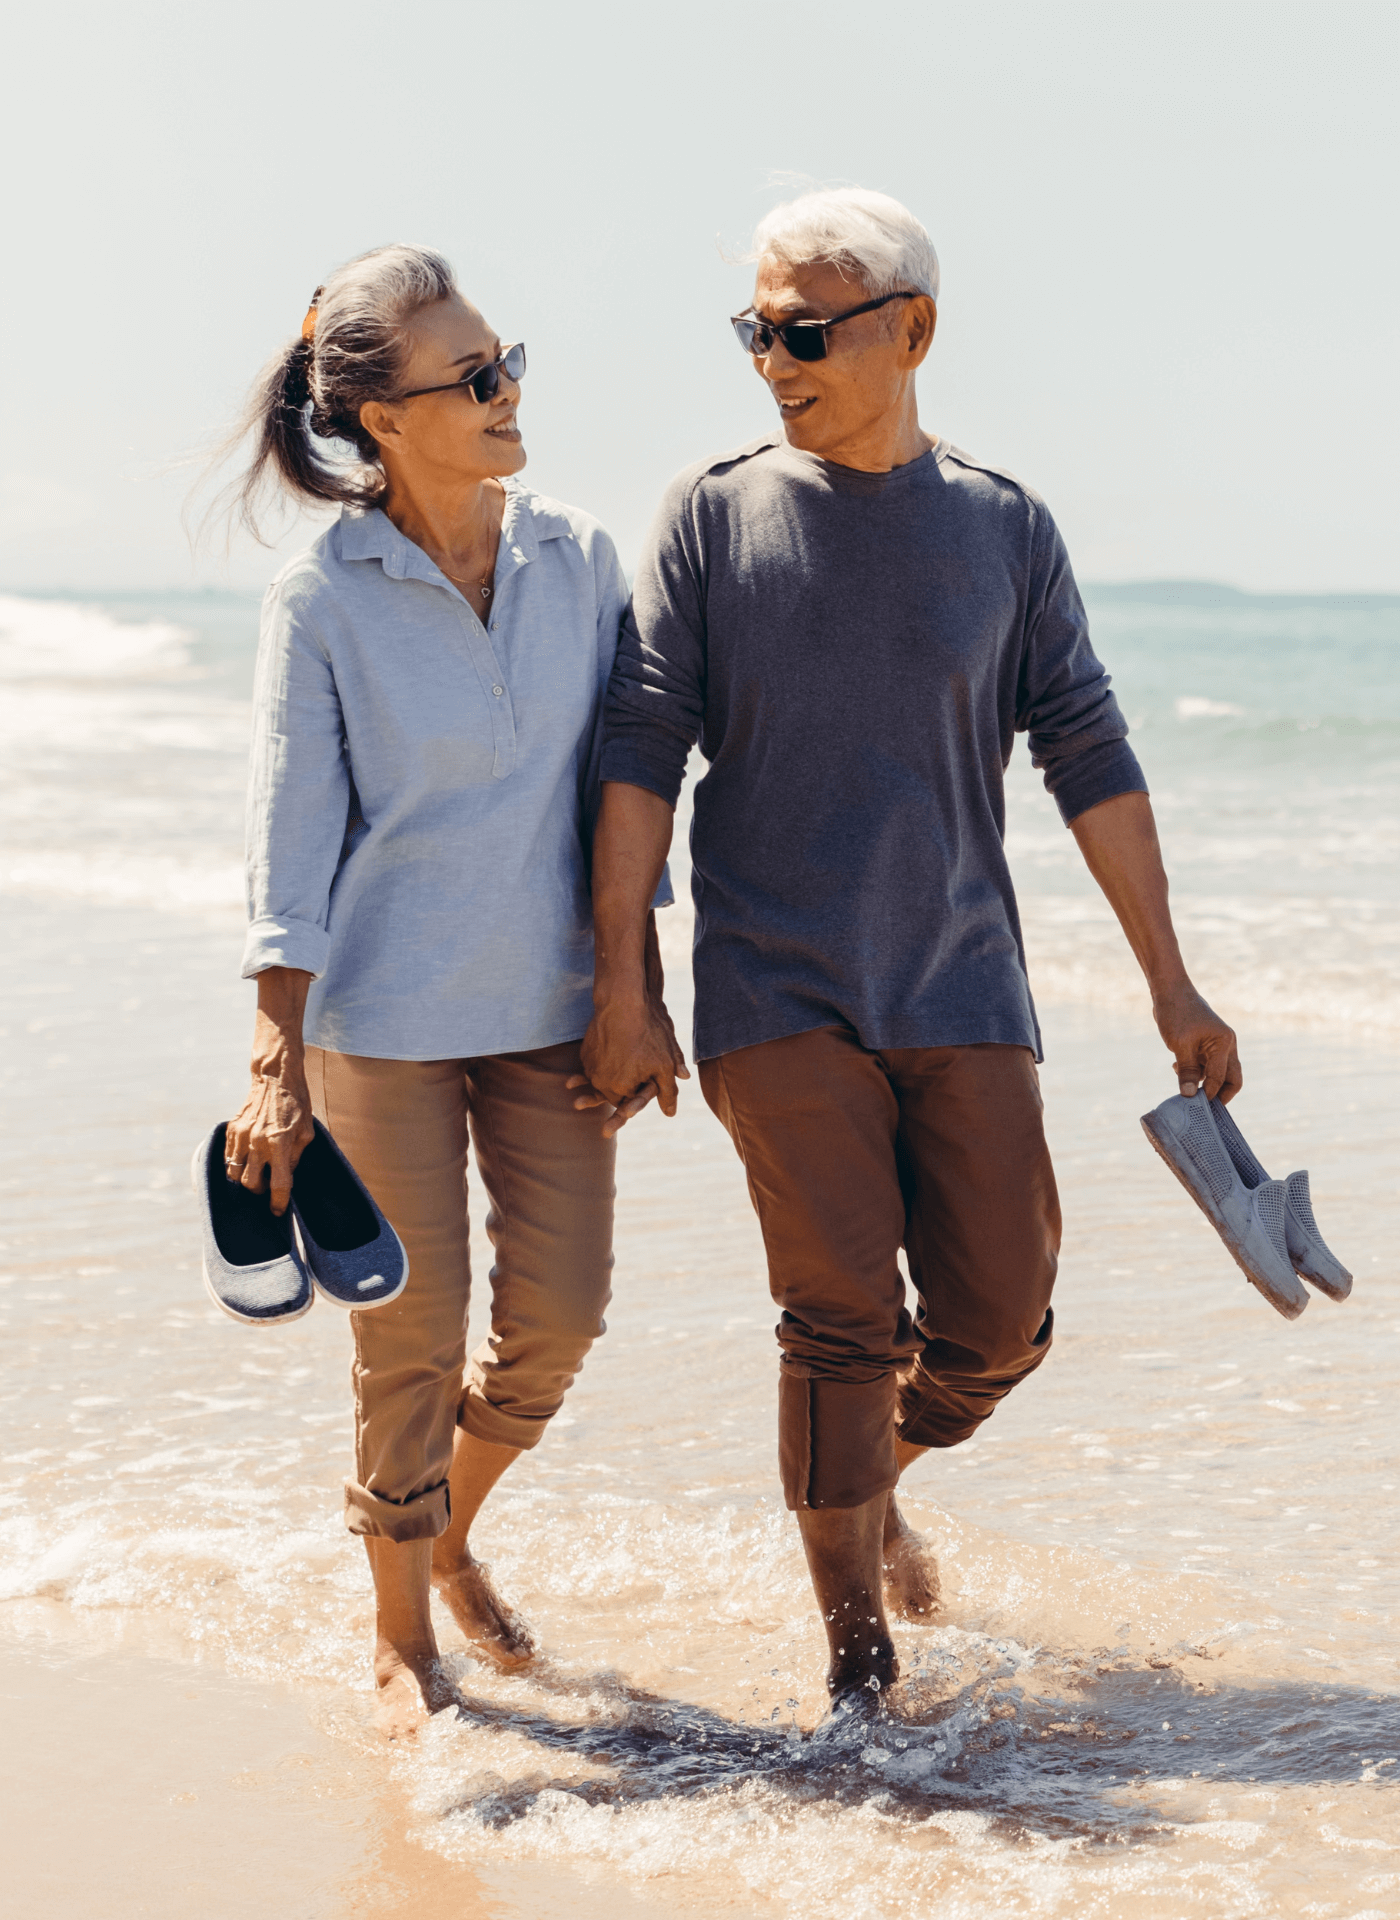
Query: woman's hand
(270, 1134)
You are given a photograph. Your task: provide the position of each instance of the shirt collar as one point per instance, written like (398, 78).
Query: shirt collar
(528, 521)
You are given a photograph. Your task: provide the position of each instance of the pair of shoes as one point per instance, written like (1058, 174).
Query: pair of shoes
(1267, 1225)
(259, 1270)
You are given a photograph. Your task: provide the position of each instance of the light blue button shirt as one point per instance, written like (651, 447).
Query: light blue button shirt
(423, 786)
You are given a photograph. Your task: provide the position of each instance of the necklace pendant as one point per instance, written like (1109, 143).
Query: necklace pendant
(485, 591)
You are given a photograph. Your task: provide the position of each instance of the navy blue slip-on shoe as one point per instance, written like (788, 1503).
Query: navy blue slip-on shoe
(251, 1264)
(355, 1257)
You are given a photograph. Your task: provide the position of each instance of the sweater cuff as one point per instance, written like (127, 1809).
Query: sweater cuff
(630, 764)
(285, 943)
(1101, 774)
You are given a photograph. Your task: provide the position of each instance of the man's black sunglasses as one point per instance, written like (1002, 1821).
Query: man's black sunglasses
(485, 383)
(804, 339)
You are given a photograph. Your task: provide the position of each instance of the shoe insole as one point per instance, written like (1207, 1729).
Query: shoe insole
(336, 1213)
(246, 1230)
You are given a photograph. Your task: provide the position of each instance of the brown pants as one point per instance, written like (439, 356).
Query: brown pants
(849, 1155)
(548, 1173)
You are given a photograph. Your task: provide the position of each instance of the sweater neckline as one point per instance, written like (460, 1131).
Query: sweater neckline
(857, 480)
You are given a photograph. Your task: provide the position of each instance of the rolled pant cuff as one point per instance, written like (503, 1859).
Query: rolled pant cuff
(835, 1440)
(423, 1516)
(476, 1416)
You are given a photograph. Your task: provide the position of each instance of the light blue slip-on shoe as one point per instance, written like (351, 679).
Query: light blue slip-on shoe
(1308, 1253)
(251, 1264)
(1250, 1220)
(355, 1257)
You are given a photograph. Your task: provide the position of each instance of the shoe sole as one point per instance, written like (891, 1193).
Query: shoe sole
(243, 1319)
(1290, 1309)
(1331, 1288)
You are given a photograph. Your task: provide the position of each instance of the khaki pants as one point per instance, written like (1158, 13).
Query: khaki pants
(849, 1155)
(548, 1173)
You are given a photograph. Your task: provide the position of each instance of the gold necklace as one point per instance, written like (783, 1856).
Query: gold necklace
(481, 586)
(458, 581)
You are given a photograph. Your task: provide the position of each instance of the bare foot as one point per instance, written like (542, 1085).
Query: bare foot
(912, 1588)
(411, 1684)
(484, 1618)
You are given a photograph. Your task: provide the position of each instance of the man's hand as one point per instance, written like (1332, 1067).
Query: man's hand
(1201, 1044)
(630, 1057)
(630, 1052)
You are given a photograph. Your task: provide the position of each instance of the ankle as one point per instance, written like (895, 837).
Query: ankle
(854, 1672)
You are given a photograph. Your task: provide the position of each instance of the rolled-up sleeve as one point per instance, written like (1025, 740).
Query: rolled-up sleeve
(1078, 735)
(611, 590)
(298, 794)
(656, 698)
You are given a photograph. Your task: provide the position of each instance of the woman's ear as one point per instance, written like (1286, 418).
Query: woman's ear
(380, 421)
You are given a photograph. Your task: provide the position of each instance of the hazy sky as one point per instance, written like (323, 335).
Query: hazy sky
(1168, 236)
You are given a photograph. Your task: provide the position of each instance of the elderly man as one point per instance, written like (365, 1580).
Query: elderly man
(854, 619)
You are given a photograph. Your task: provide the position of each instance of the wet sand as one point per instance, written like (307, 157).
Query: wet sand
(136, 1786)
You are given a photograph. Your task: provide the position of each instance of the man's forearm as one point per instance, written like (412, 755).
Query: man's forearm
(630, 845)
(1118, 839)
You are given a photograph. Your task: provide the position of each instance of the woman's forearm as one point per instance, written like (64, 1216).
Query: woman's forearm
(279, 1051)
(265, 1140)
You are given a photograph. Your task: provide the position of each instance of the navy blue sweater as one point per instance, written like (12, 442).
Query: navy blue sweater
(854, 654)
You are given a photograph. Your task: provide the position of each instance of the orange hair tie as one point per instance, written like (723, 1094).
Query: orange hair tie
(308, 325)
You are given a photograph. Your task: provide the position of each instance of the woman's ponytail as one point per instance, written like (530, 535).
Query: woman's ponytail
(303, 414)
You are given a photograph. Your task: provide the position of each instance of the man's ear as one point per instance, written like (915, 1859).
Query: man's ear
(920, 324)
(376, 419)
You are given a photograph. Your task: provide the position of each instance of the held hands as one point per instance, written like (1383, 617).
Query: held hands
(1201, 1044)
(269, 1135)
(630, 1056)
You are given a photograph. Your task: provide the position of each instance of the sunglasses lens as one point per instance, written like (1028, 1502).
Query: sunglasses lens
(485, 383)
(513, 363)
(752, 337)
(805, 343)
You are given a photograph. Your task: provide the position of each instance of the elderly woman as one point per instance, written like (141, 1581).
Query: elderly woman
(424, 777)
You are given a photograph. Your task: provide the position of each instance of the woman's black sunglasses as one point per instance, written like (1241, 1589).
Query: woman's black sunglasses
(804, 339)
(485, 383)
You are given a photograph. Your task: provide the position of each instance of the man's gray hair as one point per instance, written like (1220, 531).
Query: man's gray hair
(863, 233)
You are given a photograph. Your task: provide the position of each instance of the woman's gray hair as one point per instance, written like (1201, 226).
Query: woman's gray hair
(303, 414)
(864, 233)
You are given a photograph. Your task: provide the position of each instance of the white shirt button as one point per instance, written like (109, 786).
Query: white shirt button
(498, 691)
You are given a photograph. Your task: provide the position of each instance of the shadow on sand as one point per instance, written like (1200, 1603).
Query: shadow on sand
(1045, 1751)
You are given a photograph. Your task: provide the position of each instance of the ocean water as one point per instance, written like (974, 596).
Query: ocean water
(1167, 1680)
